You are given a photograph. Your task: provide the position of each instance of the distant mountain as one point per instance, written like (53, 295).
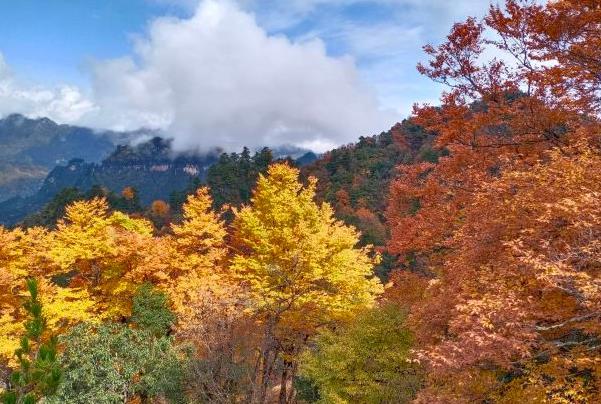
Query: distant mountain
(39, 158)
(149, 167)
(30, 148)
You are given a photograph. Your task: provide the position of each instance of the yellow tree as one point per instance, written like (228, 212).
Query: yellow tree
(187, 265)
(300, 267)
(97, 249)
(24, 255)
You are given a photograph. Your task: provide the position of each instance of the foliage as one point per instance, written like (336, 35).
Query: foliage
(24, 255)
(503, 231)
(49, 215)
(232, 178)
(98, 248)
(362, 171)
(159, 213)
(54, 210)
(355, 178)
(39, 371)
(300, 266)
(150, 310)
(113, 363)
(366, 361)
(195, 256)
(225, 339)
(492, 218)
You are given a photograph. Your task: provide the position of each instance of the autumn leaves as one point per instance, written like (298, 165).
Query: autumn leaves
(502, 234)
(285, 264)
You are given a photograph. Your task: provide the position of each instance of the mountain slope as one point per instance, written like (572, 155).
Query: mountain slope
(30, 148)
(148, 167)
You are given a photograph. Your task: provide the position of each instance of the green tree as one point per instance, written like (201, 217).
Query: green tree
(112, 363)
(39, 372)
(150, 310)
(55, 209)
(232, 178)
(363, 362)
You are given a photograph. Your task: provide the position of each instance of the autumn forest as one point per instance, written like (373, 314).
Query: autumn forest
(454, 259)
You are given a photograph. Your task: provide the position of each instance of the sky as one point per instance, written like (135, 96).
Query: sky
(227, 73)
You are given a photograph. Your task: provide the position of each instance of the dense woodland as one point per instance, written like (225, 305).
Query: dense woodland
(454, 259)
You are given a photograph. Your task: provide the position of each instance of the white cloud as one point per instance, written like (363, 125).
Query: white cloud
(218, 79)
(64, 103)
(386, 41)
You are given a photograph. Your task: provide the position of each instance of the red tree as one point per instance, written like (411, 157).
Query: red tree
(499, 223)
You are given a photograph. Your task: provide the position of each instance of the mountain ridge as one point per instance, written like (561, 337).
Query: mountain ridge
(31, 148)
(151, 167)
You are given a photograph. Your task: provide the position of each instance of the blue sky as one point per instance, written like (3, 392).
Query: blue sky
(51, 41)
(61, 58)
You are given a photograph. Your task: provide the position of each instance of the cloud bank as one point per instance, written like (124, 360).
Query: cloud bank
(218, 78)
(215, 79)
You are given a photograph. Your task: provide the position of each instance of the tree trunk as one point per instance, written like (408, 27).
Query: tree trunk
(267, 357)
(287, 393)
(284, 383)
(292, 393)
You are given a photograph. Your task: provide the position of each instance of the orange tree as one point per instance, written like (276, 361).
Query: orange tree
(505, 224)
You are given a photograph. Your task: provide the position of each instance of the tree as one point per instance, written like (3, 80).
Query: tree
(99, 250)
(225, 338)
(232, 178)
(366, 361)
(39, 371)
(159, 208)
(521, 289)
(128, 193)
(198, 251)
(53, 210)
(496, 226)
(301, 269)
(111, 363)
(160, 213)
(23, 255)
(150, 310)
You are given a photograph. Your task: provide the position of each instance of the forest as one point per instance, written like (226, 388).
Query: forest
(453, 259)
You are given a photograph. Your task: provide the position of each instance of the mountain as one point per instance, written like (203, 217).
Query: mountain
(149, 167)
(30, 148)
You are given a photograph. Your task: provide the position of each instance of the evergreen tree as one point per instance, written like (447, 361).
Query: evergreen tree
(39, 372)
(150, 310)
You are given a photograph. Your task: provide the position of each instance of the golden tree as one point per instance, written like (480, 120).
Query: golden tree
(24, 255)
(98, 249)
(300, 267)
(187, 264)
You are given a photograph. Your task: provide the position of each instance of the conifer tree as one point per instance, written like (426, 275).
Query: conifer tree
(39, 372)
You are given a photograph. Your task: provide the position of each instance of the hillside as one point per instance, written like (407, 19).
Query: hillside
(155, 172)
(31, 148)
(355, 178)
(148, 167)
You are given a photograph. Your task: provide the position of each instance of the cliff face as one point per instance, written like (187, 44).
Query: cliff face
(149, 167)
